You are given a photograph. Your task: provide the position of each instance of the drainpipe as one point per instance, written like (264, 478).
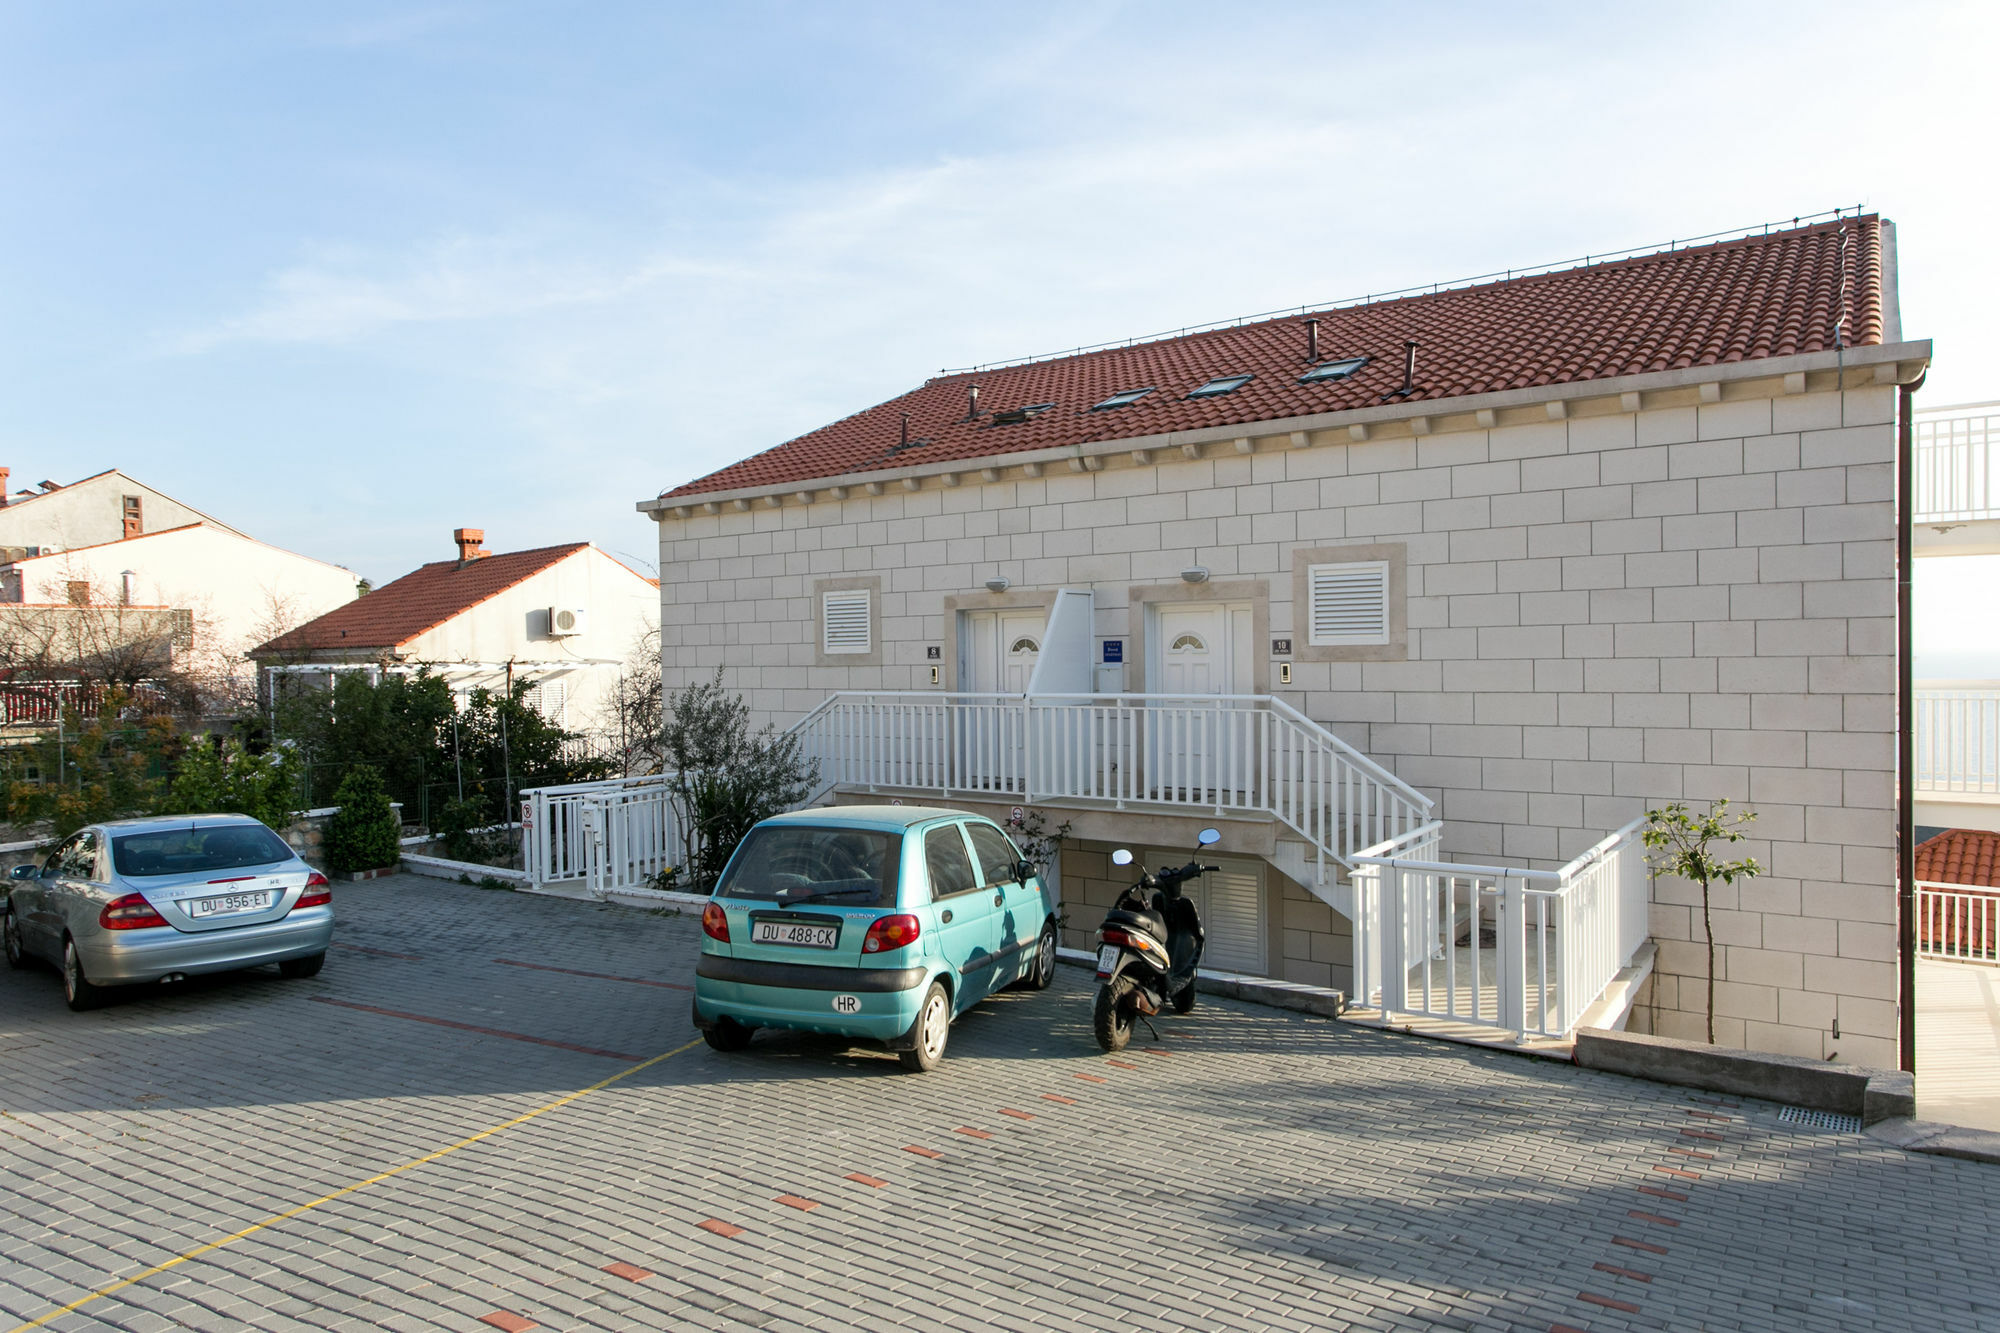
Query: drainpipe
(1906, 739)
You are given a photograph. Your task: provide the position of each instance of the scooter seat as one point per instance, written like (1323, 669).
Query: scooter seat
(1149, 921)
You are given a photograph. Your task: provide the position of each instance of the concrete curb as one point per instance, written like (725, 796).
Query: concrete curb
(436, 867)
(1235, 986)
(1874, 1095)
(1938, 1140)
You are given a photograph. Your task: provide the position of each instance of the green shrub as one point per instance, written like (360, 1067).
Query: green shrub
(363, 834)
(230, 780)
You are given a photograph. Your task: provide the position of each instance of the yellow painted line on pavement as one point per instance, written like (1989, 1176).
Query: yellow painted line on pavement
(345, 1190)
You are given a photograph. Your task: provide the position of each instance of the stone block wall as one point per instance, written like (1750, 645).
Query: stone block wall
(1607, 610)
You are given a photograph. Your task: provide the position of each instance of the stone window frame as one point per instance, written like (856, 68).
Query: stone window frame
(872, 585)
(1394, 554)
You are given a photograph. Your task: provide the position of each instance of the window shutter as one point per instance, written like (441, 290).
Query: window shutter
(844, 622)
(1350, 603)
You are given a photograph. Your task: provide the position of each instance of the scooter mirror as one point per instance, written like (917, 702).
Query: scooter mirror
(1208, 837)
(1121, 857)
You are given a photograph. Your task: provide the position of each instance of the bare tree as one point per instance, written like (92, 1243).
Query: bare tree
(630, 716)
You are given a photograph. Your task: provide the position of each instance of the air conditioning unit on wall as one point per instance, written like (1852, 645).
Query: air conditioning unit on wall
(565, 621)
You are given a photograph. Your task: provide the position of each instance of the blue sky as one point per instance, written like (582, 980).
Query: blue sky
(351, 276)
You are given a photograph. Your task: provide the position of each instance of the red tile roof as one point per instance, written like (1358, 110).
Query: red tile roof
(397, 612)
(1741, 300)
(1960, 856)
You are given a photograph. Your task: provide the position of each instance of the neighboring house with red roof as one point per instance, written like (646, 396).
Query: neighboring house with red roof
(563, 617)
(1550, 549)
(1960, 856)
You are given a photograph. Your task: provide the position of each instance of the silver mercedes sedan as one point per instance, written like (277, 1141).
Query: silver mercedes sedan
(144, 900)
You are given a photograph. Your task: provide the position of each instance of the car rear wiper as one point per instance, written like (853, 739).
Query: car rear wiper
(793, 899)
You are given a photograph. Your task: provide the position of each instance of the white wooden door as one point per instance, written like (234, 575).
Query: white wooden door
(1200, 649)
(997, 655)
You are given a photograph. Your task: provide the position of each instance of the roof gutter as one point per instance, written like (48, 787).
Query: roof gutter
(1906, 735)
(1891, 362)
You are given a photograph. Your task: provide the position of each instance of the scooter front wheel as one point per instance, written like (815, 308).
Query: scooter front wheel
(1111, 1015)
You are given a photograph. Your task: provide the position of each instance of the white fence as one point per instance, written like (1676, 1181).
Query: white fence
(1957, 922)
(1958, 739)
(1528, 951)
(1958, 472)
(615, 834)
(1208, 753)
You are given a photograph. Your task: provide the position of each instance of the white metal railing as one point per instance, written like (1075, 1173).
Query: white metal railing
(1957, 922)
(1218, 754)
(558, 832)
(1958, 471)
(1958, 739)
(1528, 951)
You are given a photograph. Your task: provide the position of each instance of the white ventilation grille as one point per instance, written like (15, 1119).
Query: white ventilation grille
(844, 622)
(1350, 603)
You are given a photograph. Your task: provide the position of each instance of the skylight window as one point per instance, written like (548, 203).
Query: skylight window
(1333, 370)
(1124, 399)
(1220, 385)
(1015, 415)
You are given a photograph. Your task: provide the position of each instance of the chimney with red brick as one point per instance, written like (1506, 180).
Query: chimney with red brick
(4, 474)
(468, 540)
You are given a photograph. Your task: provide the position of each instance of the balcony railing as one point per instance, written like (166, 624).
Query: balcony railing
(1958, 469)
(1958, 740)
(1958, 922)
(1525, 951)
(1214, 754)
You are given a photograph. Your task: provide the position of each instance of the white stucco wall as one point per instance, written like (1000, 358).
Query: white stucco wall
(88, 513)
(620, 609)
(241, 591)
(1606, 611)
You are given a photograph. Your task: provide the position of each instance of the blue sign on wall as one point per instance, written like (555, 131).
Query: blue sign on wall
(1114, 650)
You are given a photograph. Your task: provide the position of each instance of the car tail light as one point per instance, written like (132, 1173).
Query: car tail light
(318, 893)
(715, 922)
(891, 932)
(132, 912)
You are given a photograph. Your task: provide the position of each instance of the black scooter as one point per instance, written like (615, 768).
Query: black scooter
(1148, 948)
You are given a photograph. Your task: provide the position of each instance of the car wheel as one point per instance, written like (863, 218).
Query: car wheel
(77, 989)
(929, 1032)
(1111, 1015)
(17, 949)
(1183, 999)
(726, 1034)
(1041, 973)
(298, 969)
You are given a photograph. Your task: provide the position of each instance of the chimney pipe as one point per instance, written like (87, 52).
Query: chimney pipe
(468, 540)
(904, 442)
(1312, 341)
(972, 405)
(130, 588)
(1409, 366)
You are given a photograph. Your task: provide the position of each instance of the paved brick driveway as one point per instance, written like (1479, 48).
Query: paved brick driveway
(1254, 1169)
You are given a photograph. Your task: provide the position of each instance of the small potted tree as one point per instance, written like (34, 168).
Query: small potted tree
(1679, 842)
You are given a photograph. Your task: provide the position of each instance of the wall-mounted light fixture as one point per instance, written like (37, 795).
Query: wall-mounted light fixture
(998, 583)
(1195, 574)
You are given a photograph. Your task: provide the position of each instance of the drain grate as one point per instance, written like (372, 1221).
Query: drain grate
(1799, 1115)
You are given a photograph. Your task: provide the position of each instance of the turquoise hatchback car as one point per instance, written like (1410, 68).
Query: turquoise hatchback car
(876, 921)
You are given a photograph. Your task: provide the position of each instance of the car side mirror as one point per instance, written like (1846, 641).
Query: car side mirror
(29, 871)
(1024, 870)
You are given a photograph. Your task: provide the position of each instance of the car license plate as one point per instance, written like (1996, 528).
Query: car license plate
(1107, 958)
(228, 904)
(806, 934)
